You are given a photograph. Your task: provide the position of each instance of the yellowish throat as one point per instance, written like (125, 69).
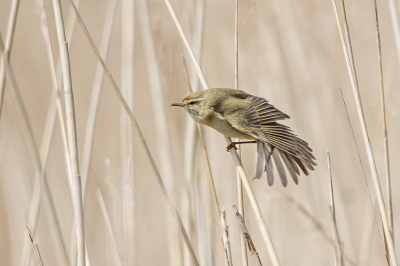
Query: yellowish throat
(237, 114)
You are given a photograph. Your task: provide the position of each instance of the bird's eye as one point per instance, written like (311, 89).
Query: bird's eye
(193, 102)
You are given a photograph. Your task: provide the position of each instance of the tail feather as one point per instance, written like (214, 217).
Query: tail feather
(282, 159)
(269, 168)
(301, 165)
(260, 160)
(289, 167)
(279, 166)
(294, 164)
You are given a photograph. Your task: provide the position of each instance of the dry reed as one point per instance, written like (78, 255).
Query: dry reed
(250, 243)
(338, 242)
(72, 136)
(220, 214)
(114, 248)
(288, 55)
(385, 133)
(353, 78)
(136, 125)
(6, 48)
(35, 247)
(239, 181)
(160, 122)
(225, 239)
(129, 253)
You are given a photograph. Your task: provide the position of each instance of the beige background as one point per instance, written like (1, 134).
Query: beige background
(289, 52)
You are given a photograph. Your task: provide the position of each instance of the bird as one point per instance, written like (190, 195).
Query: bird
(237, 114)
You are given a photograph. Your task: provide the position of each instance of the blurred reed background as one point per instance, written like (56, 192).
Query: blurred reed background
(289, 53)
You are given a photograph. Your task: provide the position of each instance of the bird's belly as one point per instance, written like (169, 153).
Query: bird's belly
(222, 126)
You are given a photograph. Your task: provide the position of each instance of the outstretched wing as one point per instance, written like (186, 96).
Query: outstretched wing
(258, 119)
(251, 115)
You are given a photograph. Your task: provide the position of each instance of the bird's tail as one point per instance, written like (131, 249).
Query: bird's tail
(266, 153)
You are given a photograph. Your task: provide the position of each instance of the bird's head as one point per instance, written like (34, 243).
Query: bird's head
(194, 104)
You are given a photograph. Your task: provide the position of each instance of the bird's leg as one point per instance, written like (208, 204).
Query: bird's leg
(232, 145)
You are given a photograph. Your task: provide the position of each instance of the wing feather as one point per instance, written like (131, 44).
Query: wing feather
(259, 120)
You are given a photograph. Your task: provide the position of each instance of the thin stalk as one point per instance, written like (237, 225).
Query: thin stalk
(371, 159)
(3, 64)
(385, 134)
(54, 109)
(239, 167)
(6, 48)
(236, 46)
(198, 217)
(141, 136)
(241, 212)
(53, 73)
(2, 48)
(194, 195)
(256, 208)
(128, 251)
(187, 45)
(40, 159)
(239, 182)
(396, 26)
(93, 107)
(225, 239)
(221, 218)
(320, 228)
(35, 248)
(160, 121)
(72, 138)
(250, 243)
(12, 21)
(366, 239)
(95, 97)
(47, 136)
(362, 168)
(103, 208)
(338, 242)
(210, 176)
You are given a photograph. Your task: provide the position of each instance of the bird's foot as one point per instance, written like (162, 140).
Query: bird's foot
(230, 146)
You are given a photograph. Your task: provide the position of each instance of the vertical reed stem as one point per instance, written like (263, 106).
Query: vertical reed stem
(72, 137)
(338, 243)
(256, 208)
(385, 134)
(371, 159)
(396, 26)
(239, 181)
(125, 105)
(6, 48)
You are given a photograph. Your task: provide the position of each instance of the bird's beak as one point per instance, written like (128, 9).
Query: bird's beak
(177, 104)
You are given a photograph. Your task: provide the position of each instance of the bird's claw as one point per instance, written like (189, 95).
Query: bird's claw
(230, 146)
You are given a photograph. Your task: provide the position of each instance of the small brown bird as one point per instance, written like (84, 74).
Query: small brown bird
(237, 114)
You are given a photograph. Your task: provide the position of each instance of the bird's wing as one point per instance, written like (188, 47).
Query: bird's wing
(248, 115)
(266, 112)
(278, 135)
(258, 119)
